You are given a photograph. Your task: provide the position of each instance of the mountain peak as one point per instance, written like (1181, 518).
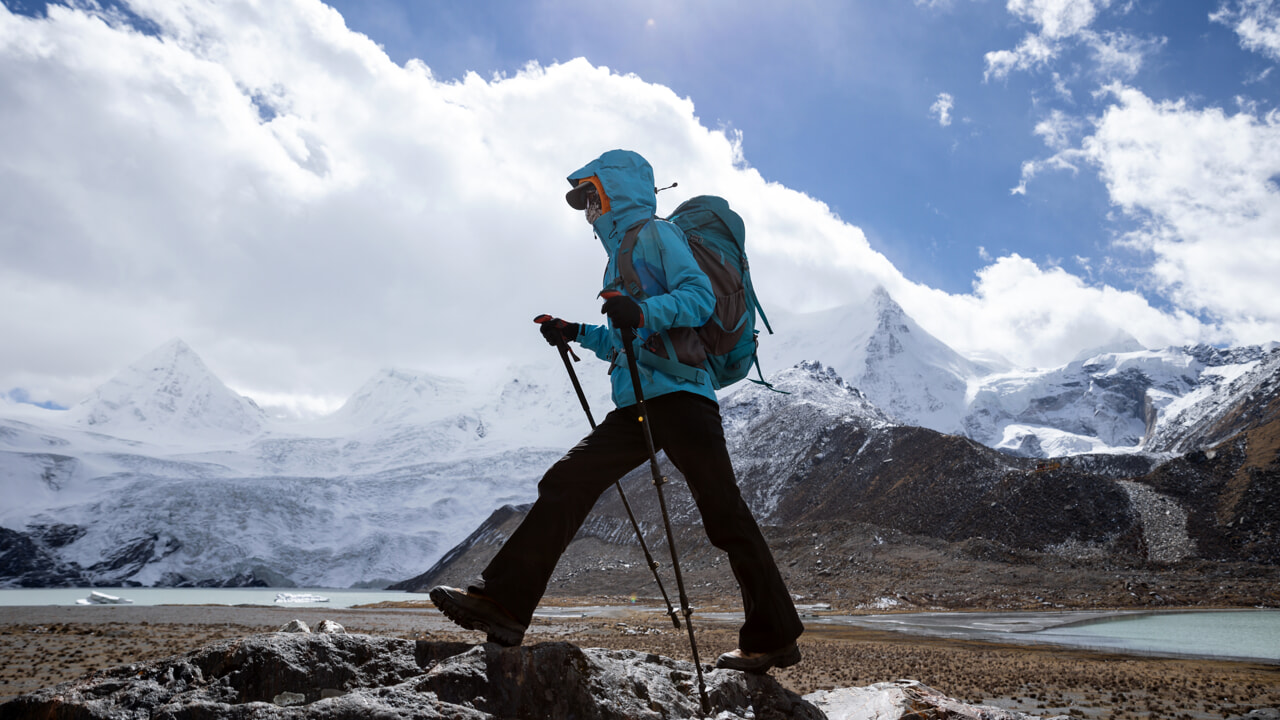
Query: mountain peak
(395, 395)
(1120, 342)
(169, 391)
(909, 373)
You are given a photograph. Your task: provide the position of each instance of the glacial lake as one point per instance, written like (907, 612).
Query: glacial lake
(1252, 635)
(1223, 634)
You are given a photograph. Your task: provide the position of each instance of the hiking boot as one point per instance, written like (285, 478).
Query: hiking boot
(474, 611)
(758, 663)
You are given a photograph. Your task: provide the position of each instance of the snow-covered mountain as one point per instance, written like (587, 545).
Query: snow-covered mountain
(165, 476)
(1110, 402)
(1114, 397)
(883, 352)
(169, 395)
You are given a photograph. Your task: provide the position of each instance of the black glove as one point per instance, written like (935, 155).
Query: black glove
(555, 330)
(623, 311)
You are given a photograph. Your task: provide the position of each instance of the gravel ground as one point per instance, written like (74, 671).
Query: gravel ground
(42, 646)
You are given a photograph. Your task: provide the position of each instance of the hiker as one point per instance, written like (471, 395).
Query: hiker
(616, 192)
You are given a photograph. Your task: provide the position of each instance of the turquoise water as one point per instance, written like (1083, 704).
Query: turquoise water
(203, 596)
(1245, 634)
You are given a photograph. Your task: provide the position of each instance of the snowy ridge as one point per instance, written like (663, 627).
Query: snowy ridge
(768, 433)
(1228, 380)
(1108, 402)
(809, 386)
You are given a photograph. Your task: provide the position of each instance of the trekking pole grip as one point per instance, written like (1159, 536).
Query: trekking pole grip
(562, 345)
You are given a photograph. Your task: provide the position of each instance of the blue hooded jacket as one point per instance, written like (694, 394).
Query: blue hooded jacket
(676, 291)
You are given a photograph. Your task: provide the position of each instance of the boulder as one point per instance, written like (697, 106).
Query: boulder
(329, 626)
(338, 675)
(295, 626)
(335, 675)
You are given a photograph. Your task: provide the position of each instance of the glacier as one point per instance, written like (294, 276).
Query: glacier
(168, 477)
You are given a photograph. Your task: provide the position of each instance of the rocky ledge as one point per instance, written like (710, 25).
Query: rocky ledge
(330, 674)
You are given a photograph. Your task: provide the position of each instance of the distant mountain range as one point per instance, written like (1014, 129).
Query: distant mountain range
(871, 514)
(164, 476)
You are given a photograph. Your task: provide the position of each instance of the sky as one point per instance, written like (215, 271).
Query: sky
(308, 193)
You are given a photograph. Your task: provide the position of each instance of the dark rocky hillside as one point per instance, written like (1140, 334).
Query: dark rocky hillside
(862, 512)
(1231, 493)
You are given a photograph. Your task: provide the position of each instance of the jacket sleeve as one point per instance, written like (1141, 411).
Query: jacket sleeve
(598, 339)
(689, 300)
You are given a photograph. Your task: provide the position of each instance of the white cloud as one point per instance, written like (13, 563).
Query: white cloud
(1041, 317)
(268, 185)
(1057, 129)
(1058, 18)
(1201, 185)
(1067, 159)
(1257, 22)
(941, 5)
(941, 109)
(1259, 76)
(1120, 55)
(1033, 52)
(380, 217)
(1064, 24)
(1203, 182)
(1061, 89)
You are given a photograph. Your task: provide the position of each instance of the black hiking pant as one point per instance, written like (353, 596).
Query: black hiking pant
(688, 428)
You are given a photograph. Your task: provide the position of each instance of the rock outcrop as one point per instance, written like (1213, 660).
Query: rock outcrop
(332, 675)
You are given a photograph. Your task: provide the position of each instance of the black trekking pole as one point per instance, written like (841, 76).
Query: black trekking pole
(628, 336)
(565, 352)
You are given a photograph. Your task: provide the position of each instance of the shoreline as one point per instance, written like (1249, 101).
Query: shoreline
(46, 645)
(1016, 628)
(1024, 628)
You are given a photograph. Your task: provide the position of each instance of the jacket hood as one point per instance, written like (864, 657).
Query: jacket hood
(626, 179)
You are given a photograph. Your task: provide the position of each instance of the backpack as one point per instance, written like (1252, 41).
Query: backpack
(725, 346)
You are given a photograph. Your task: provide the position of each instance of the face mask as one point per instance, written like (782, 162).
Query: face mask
(593, 210)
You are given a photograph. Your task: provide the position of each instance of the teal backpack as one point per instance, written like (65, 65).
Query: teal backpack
(726, 345)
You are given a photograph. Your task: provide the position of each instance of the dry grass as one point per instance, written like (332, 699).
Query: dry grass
(1038, 680)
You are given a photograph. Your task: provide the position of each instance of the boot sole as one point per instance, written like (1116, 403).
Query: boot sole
(457, 611)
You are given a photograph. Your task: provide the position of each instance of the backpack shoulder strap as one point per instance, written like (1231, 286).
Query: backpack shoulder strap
(626, 266)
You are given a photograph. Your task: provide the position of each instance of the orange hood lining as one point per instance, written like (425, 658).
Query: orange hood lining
(604, 198)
